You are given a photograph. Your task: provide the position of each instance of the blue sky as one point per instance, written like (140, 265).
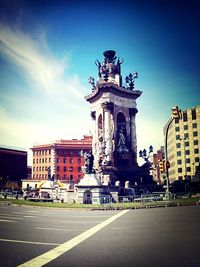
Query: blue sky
(48, 50)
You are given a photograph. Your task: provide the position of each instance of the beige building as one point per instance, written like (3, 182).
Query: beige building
(183, 145)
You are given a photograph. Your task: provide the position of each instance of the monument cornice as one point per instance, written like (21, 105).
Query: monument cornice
(112, 88)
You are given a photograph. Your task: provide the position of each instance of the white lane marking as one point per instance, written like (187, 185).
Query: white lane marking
(56, 252)
(83, 222)
(29, 242)
(33, 211)
(2, 220)
(59, 229)
(30, 216)
(10, 217)
(20, 213)
(119, 228)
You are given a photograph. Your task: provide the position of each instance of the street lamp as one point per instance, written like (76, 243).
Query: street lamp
(143, 153)
(130, 79)
(91, 81)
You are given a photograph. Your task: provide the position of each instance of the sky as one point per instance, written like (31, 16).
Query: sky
(48, 51)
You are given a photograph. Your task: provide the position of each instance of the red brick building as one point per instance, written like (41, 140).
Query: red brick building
(64, 157)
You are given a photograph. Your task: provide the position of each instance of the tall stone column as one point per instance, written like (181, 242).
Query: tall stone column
(93, 116)
(94, 135)
(108, 109)
(132, 112)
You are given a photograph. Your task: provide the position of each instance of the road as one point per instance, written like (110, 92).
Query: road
(137, 238)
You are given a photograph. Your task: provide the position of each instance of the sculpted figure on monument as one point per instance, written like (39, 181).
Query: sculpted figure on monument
(121, 145)
(98, 64)
(89, 161)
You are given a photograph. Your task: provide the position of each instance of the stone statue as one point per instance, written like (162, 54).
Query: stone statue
(121, 145)
(89, 161)
(98, 64)
(119, 66)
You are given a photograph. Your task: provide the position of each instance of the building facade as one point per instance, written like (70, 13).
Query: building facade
(61, 160)
(158, 166)
(183, 145)
(13, 166)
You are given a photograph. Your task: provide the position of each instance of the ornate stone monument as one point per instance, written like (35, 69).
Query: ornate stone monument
(113, 111)
(90, 189)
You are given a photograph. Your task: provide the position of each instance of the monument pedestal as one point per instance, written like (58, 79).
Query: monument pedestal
(92, 191)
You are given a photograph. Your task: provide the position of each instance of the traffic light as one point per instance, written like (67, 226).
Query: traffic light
(176, 113)
(161, 166)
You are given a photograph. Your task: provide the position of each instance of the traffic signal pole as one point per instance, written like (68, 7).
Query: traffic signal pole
(176, 114)
(166, 158)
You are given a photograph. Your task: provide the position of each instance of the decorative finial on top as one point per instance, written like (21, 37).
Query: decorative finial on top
(109, 56)
(109, 70)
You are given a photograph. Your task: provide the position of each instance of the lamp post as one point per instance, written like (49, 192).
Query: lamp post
(143, 153)
(92, 82)
(130, 80)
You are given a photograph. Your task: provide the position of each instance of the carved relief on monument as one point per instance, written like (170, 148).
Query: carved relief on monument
(123, 102)
(100, 141)
(121, 139)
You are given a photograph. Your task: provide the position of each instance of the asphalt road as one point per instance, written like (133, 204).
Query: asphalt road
(137, 238)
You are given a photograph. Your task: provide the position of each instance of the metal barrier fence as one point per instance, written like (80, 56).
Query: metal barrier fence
(123, 199)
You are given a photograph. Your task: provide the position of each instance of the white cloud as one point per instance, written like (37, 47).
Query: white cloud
(57, 109)
(36, 62)
(51, 106)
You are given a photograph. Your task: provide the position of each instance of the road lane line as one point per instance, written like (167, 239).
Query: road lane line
(30, 216)
(58, 251)
(28, 242)
(2, 220)
(58, 229)
(10, 217)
